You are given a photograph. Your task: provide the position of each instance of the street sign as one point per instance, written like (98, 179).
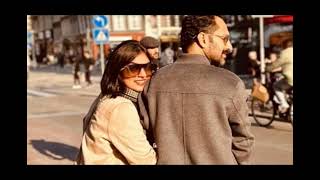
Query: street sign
(100, 35)
(100, 21)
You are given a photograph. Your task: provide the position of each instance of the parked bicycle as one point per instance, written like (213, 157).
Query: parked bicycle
(264, 113)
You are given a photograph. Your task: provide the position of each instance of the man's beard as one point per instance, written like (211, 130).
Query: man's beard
(155, 57)
(215, 63)
(218, 63)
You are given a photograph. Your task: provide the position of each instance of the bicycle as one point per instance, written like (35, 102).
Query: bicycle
(264, 113)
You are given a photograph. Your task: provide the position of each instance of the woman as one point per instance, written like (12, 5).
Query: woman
(113, 133)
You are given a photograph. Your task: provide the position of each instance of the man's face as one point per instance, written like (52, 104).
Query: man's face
(219, 44)
(253, 55)
(86, 55)
(153, 53)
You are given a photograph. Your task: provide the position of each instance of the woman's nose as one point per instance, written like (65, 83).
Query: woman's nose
(142, 73)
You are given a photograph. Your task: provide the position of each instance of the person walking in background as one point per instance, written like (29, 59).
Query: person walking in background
(113, 133)
(197, 112)
(60, 57)
(28, 64)
(152, 46)
(88, 62)
(76, 59)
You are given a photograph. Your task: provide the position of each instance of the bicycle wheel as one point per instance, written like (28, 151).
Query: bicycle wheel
(263, 113)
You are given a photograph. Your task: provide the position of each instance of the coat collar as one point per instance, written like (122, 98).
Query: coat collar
(193, 59)
(130, 94)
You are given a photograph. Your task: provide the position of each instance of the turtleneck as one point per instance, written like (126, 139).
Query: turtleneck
(130, 94)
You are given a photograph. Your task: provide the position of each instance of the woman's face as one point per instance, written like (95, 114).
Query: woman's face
(138, 81)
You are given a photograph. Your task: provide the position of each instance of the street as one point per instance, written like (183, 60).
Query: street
(55, 112)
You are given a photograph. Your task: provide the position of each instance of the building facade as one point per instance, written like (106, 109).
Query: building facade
(62, 32)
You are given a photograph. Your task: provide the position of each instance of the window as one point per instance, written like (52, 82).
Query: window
(119, 22)
(165, 21)
(172, 20)
(135, 22)
(82, 26)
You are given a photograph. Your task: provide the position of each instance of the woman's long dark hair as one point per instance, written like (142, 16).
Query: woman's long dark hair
(121, 56)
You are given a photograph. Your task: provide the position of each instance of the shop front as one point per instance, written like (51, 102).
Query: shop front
(114, 40)
(279, 28)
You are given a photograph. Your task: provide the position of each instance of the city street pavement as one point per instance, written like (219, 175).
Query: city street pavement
(55, 112)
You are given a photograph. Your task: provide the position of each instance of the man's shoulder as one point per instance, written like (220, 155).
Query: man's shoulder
(227, 75)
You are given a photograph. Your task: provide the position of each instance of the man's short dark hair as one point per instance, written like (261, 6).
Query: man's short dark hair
(192, 26)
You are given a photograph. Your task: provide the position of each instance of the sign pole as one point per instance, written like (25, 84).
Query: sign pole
(102, 58)
(101, 35)
(262, 60)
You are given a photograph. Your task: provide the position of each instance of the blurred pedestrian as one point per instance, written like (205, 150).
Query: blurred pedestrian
(28, 64)
(198, 112)
(285, 62)
(113, 133)
(254, 67)
(152, 46)
(60, 57)
(88, 62)
(166, 56)
(76, 59)
(178, 53)
(272, 57)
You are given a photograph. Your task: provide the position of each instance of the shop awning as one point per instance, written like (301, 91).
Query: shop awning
(279, 19)
(169, 38)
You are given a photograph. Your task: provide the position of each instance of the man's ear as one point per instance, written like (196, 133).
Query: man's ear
(202, 40)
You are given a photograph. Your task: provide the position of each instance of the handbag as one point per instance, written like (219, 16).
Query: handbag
(260, 92)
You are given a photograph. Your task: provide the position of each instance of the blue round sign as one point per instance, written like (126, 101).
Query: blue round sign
(100, 21)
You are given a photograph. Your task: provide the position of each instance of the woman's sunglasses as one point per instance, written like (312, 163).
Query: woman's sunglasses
(133, 69)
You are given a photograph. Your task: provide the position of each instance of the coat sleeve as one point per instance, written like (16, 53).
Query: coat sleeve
(143, 103)
(126, 134)
(242, 138)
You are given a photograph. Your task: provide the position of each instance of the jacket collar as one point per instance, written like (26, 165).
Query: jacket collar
(192, 59)
(130, 94)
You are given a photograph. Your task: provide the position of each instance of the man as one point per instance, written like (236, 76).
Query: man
(152, 46)
(285, 62)
(254, 66)
(88, 62)
(196, 112)
(167, 56)
(76, 59)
